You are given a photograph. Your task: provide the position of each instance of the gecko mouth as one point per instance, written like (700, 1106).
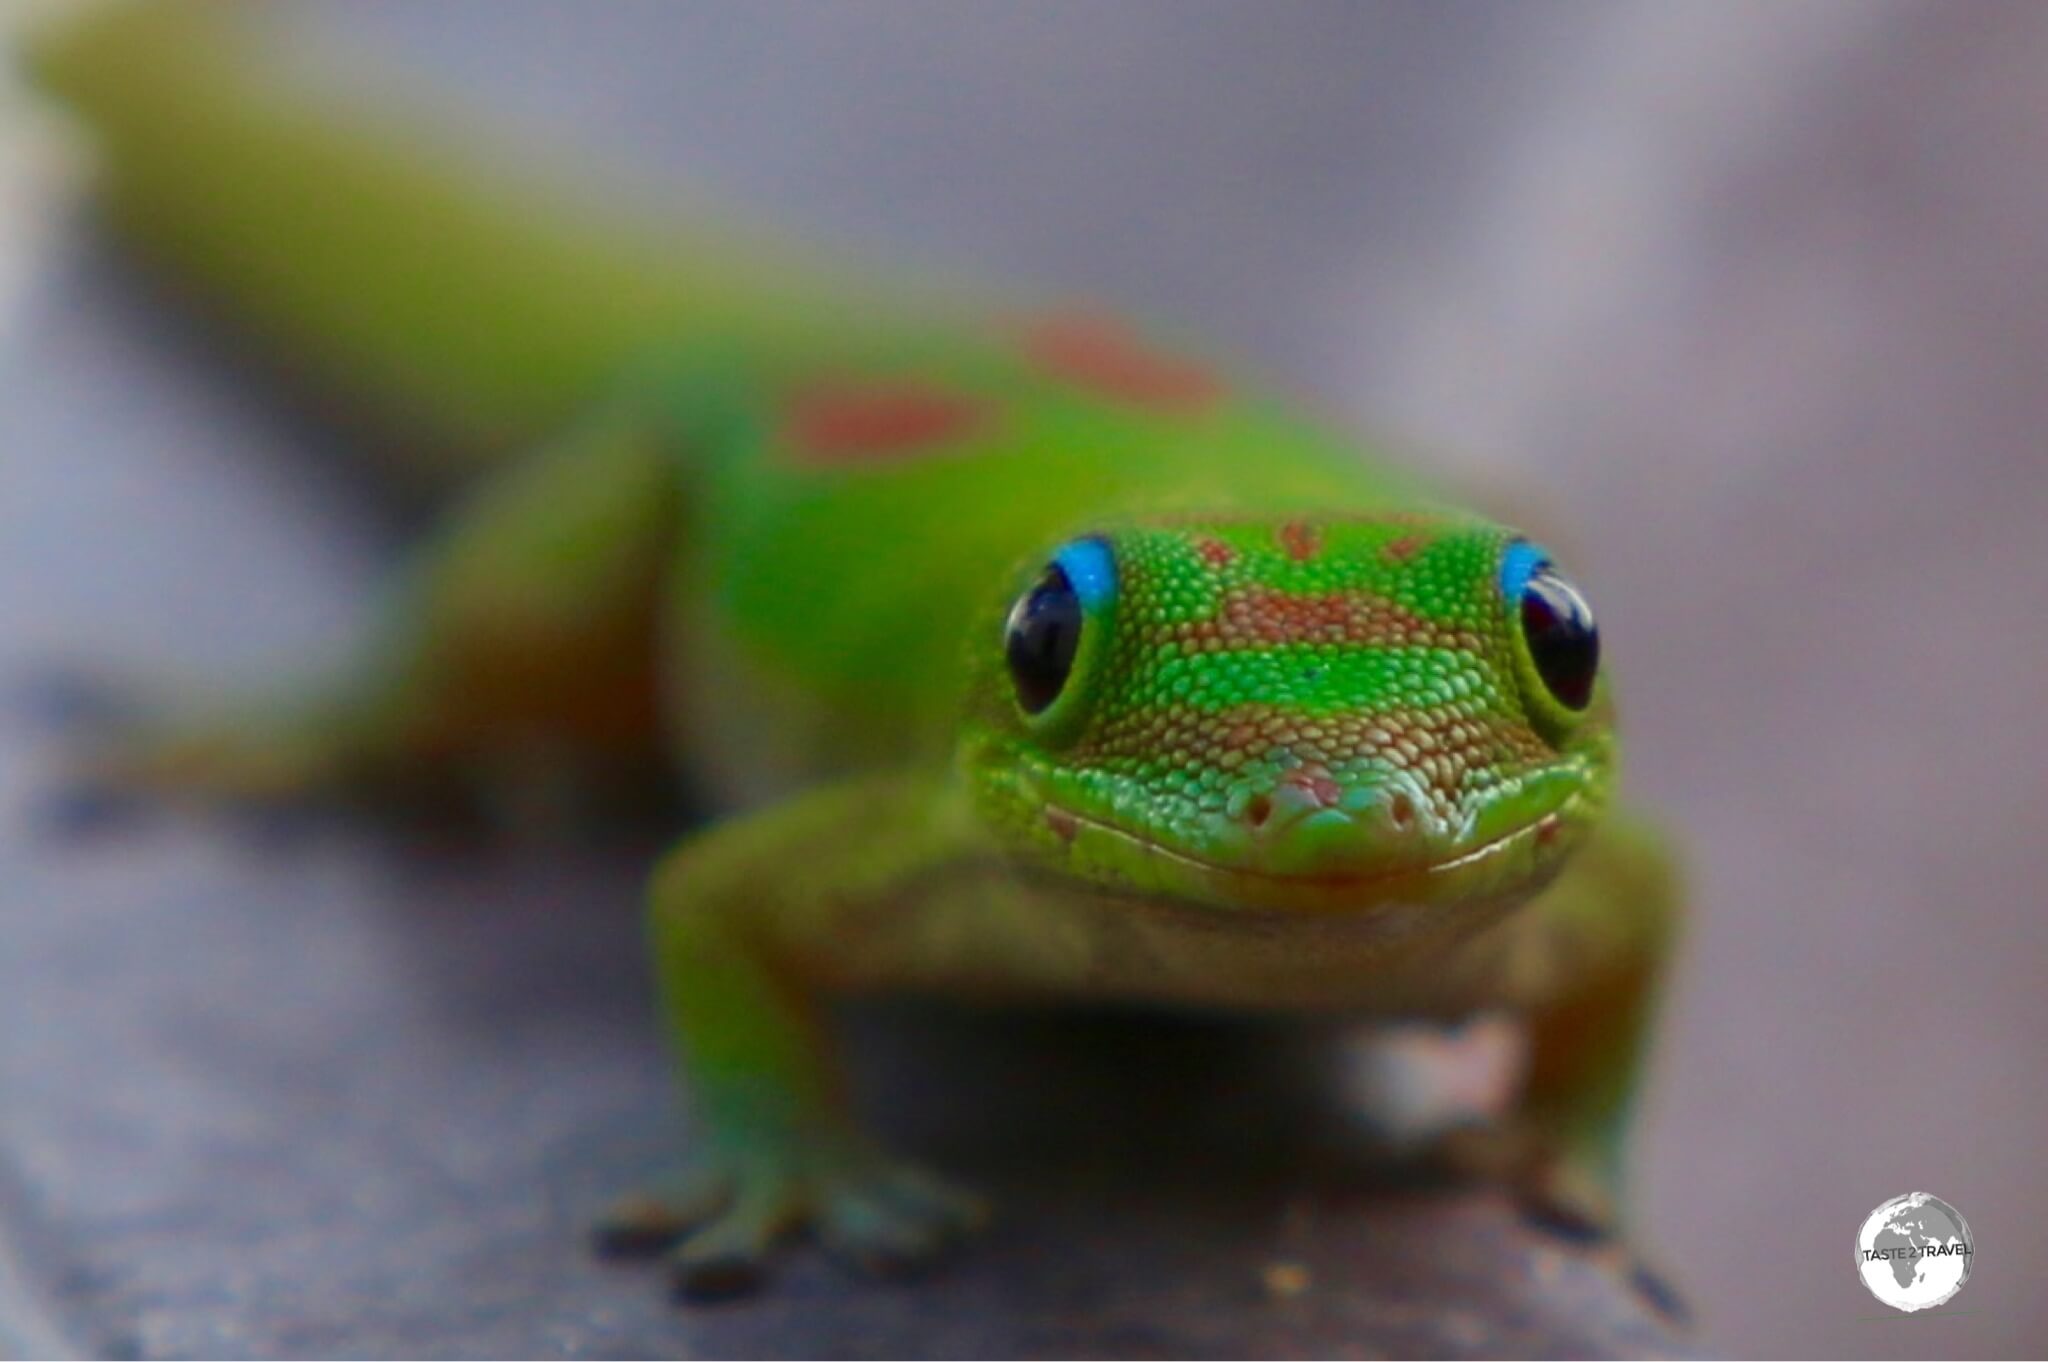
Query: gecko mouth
(1537, 834)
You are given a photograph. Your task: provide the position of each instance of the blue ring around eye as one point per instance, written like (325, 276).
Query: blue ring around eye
(1522, 561)
(1090, 569)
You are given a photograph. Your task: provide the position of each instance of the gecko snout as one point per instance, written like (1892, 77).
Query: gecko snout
(1312, 822)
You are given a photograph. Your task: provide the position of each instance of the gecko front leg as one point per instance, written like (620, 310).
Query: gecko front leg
(754, 922)
(1584, 965)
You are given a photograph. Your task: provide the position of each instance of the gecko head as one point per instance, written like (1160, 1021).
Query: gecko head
(1333, 714)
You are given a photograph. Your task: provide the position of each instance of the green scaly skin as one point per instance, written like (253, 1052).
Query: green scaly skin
(1303, 759)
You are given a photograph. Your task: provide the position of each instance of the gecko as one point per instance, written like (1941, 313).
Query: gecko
(1025, 655)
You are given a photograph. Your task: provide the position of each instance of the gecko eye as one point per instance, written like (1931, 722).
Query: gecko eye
(1073, 597)
(1556, 623)
(1563, 640)
(1043, 634)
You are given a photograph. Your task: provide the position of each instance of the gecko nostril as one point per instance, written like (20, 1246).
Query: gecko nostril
(1258, 810)
(1401, 810)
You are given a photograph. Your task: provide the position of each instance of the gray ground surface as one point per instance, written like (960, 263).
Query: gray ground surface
(1757, 302)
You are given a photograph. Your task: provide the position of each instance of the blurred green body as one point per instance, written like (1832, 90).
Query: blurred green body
(767, 528)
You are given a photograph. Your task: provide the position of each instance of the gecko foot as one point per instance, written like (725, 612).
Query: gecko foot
(256, 764)
(1564, 1195)
(117, 755)
(720, 1225)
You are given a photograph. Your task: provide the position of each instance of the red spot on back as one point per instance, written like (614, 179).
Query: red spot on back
(1106, 357)
(879, 420)
(1301, 540)
(1216, 553)
(1402, 549)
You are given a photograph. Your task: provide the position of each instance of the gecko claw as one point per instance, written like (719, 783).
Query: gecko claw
(1660, 1294)
(716, 1281)
(1567, 1199)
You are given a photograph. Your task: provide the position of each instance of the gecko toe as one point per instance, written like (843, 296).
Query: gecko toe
(1564, 1222)
(1660, 1294)
(1566, 1200)
(715, 1279)
(926, 1194)
(727, 1256)
(897, 1221)
(649, 1224)
(881, 1239)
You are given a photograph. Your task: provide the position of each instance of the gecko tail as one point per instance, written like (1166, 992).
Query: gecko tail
(468, 311)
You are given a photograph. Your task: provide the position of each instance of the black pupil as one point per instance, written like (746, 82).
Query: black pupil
(1044, 631)
(1563, 639)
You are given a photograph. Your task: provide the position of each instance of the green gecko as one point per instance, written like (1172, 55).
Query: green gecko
(1026, 657)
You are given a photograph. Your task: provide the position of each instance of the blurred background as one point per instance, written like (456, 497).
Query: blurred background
(1751, 299)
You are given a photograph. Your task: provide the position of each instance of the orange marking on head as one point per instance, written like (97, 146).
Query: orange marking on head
(1256, 616)
(880, 420)
(1301, 540)
(1106, 357)
(1216, 553)
(1063, 824)
(1314, 781)
(1451, 755)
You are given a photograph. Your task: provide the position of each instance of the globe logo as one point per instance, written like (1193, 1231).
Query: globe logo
(1914, 1251)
